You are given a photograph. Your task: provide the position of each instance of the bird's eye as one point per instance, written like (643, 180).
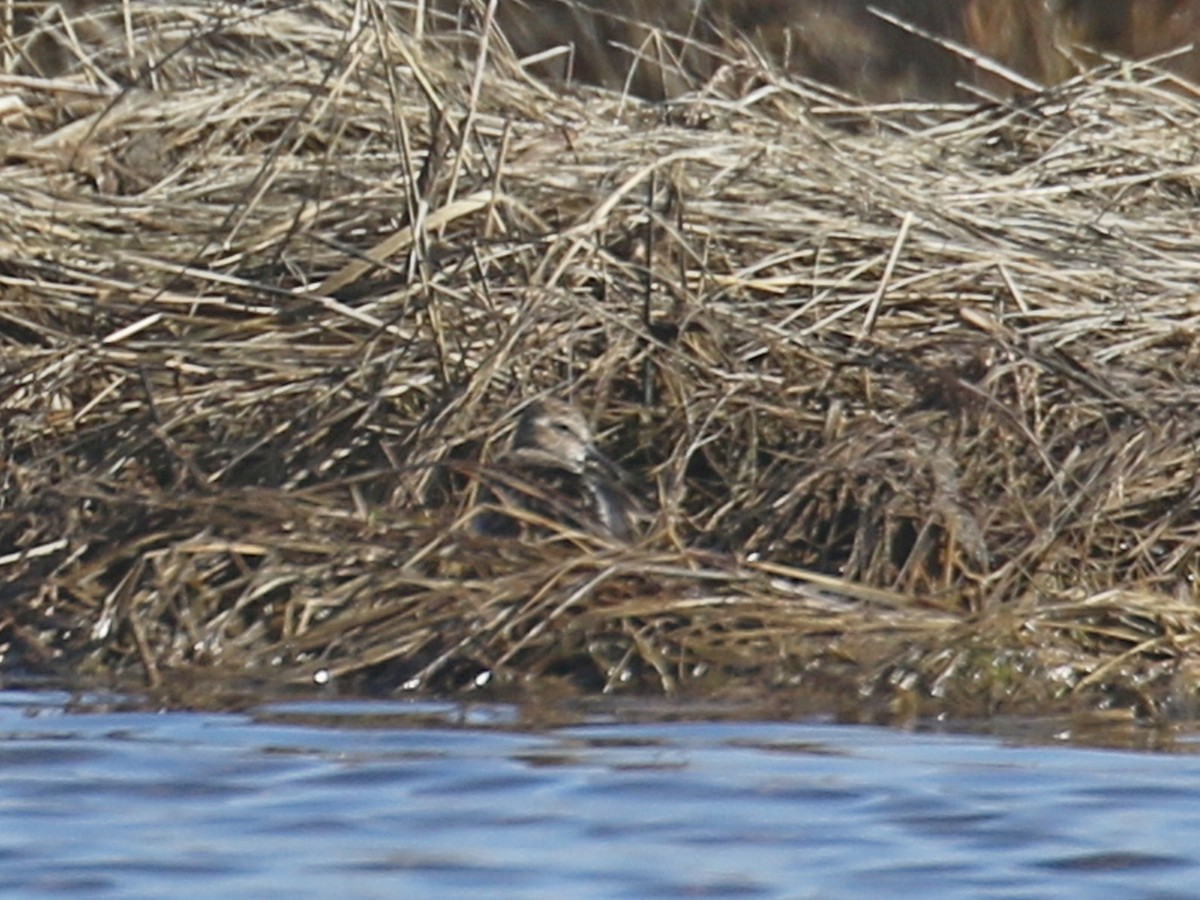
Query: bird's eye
(563, 427)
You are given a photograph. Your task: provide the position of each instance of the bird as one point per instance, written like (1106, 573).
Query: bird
(552, 470)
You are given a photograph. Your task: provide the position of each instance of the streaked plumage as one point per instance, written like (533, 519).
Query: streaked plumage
(553, 471)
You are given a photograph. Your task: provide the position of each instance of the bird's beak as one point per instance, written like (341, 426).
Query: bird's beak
(609, 467)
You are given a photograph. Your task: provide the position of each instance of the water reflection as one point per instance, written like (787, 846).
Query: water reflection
(438, 799)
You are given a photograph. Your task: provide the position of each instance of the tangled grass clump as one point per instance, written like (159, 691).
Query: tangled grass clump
(912, 392)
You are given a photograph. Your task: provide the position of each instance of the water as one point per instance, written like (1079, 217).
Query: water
(419, 799)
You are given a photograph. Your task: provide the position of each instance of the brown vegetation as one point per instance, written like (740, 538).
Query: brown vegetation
(913, 396)
(884, 50)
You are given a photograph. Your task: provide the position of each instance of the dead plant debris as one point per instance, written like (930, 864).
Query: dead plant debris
(912, 392)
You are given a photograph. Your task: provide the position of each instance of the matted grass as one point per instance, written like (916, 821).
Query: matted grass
(912, 391)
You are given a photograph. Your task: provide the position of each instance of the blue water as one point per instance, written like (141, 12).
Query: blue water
(419, 799)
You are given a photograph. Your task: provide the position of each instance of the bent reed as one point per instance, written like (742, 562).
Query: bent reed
(913, 388)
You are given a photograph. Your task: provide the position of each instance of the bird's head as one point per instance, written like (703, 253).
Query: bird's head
(558, 430)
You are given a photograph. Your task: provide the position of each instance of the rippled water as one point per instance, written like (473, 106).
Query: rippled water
(437, 800)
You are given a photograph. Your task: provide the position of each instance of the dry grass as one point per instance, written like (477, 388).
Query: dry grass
(913, 390)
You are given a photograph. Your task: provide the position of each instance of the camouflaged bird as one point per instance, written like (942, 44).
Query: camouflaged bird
(553, 472)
